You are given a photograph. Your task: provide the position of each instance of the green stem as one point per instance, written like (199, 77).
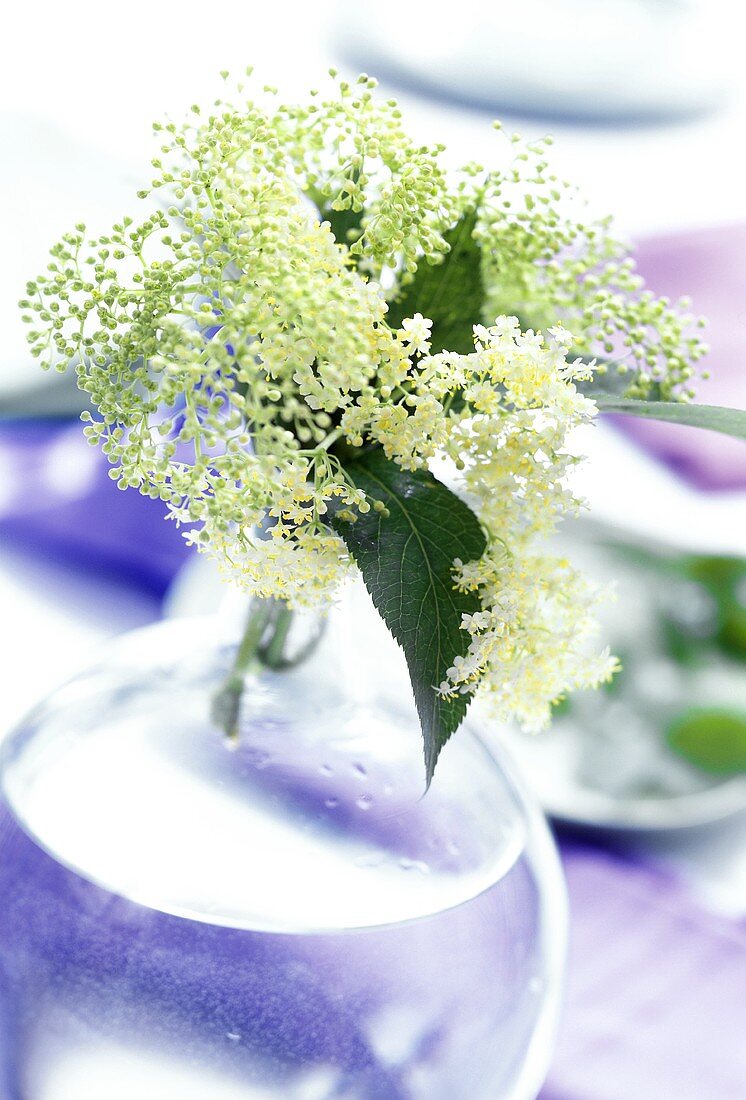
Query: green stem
(263, 645)
(226, 703)
(273, 652)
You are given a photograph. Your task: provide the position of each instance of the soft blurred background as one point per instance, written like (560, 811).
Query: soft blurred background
(647, 102)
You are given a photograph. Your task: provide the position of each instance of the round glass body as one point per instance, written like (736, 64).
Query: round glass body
(292, 917)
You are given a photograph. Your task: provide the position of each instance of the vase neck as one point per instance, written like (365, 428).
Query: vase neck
(273, 638)
(276, 637)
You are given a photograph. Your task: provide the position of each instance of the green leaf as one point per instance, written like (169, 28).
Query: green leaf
(714, 417)
(450, 293)
(711, 738)
(346, 225)
(406, 559)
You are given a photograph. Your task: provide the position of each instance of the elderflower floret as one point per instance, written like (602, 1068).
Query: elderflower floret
(417, 332)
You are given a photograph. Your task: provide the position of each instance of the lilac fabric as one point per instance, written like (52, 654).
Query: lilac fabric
(656, 999)
(710, 266)
(56, 498)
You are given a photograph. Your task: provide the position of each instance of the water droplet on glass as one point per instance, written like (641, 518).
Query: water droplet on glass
(258, 758)
(233, 1036)
(414, 865)
(364, 802)
(326, 769)
(330, 803)
(360, 771)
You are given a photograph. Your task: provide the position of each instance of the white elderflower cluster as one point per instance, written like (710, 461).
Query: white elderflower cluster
(236, 348)
(503, 414)
(534, 641)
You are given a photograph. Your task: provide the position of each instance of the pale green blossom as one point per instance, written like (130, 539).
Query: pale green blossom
(236, 339)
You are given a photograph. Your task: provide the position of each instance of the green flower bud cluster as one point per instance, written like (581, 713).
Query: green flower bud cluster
(232, 341)
(544, 261)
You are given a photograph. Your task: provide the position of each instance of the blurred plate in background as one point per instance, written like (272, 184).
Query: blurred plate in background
(663, 746)
(620, 61)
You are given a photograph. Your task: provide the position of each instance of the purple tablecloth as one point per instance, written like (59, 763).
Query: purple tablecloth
(710, 266)
(56, 499)
(656, 999)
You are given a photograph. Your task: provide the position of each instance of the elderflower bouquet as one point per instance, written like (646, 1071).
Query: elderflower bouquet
(313, 311)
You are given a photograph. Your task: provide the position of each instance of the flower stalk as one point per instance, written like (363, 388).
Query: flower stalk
(266, 643)
(314, 309)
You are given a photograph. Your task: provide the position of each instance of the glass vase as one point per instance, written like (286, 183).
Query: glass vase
(195, 907)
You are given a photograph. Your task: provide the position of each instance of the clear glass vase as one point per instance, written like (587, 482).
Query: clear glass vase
(285, 914)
